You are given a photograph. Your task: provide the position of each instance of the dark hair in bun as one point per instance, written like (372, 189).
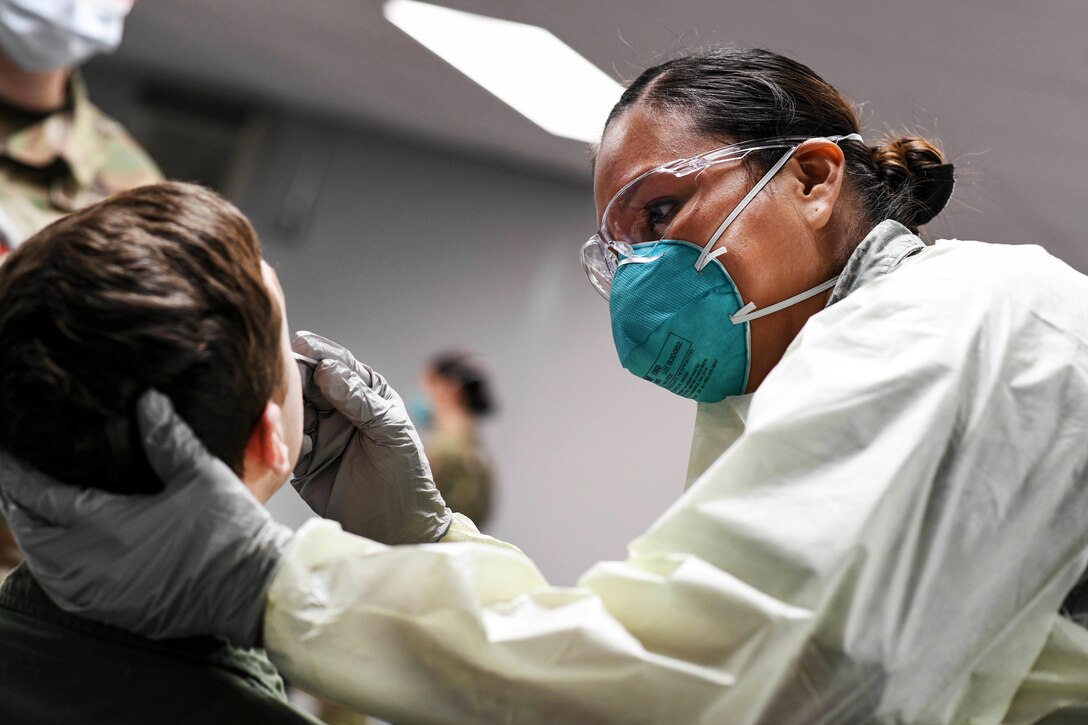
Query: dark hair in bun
(740, 94)
(918, 179)
(460, 368)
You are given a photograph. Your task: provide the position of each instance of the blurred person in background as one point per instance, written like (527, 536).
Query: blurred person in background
(58, 151)
(459, 395)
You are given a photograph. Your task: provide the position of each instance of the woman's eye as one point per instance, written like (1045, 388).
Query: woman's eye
(658, 214)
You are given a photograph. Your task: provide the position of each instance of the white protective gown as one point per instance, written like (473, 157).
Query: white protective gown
(884, 532)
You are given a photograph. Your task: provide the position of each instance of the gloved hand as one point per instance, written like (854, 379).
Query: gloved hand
(197, 558)
(362, 464)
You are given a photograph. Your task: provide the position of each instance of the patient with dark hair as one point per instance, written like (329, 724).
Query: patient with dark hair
(159, 287)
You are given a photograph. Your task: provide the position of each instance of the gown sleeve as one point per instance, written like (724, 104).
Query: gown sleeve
(888, 540)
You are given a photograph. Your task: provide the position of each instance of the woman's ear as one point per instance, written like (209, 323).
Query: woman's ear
(819, 166)
(267, 455)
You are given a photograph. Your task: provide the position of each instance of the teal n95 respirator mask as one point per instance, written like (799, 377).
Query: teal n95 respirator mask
(678, 319)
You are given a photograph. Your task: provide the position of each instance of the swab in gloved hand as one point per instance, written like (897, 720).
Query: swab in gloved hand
(363, 463)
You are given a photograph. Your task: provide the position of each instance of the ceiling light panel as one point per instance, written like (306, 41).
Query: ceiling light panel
(525, 66)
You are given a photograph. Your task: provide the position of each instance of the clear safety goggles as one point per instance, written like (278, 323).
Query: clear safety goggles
(646, 209)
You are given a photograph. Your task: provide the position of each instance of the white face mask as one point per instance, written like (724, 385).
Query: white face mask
(41, 35)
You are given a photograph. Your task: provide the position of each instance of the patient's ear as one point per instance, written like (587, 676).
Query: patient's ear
(267, 460)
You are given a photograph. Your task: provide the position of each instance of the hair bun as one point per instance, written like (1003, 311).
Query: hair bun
(917, 176)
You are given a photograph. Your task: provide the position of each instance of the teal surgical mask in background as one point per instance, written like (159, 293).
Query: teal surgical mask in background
(421, 412)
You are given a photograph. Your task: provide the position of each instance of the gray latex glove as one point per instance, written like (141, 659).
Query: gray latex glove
(197, 558)
(362, 464)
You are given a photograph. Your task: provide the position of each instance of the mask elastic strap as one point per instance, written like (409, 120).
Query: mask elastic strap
(638, 260)
(749, 311)
(707, 255)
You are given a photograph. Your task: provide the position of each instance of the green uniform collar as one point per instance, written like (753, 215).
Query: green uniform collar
(70, 134)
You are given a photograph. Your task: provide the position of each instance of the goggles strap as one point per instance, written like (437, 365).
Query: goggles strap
(707, 255)
(749, 311)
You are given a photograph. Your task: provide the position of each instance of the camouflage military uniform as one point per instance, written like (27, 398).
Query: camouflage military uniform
(51, 165)
(462, 472)
(62, 162)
